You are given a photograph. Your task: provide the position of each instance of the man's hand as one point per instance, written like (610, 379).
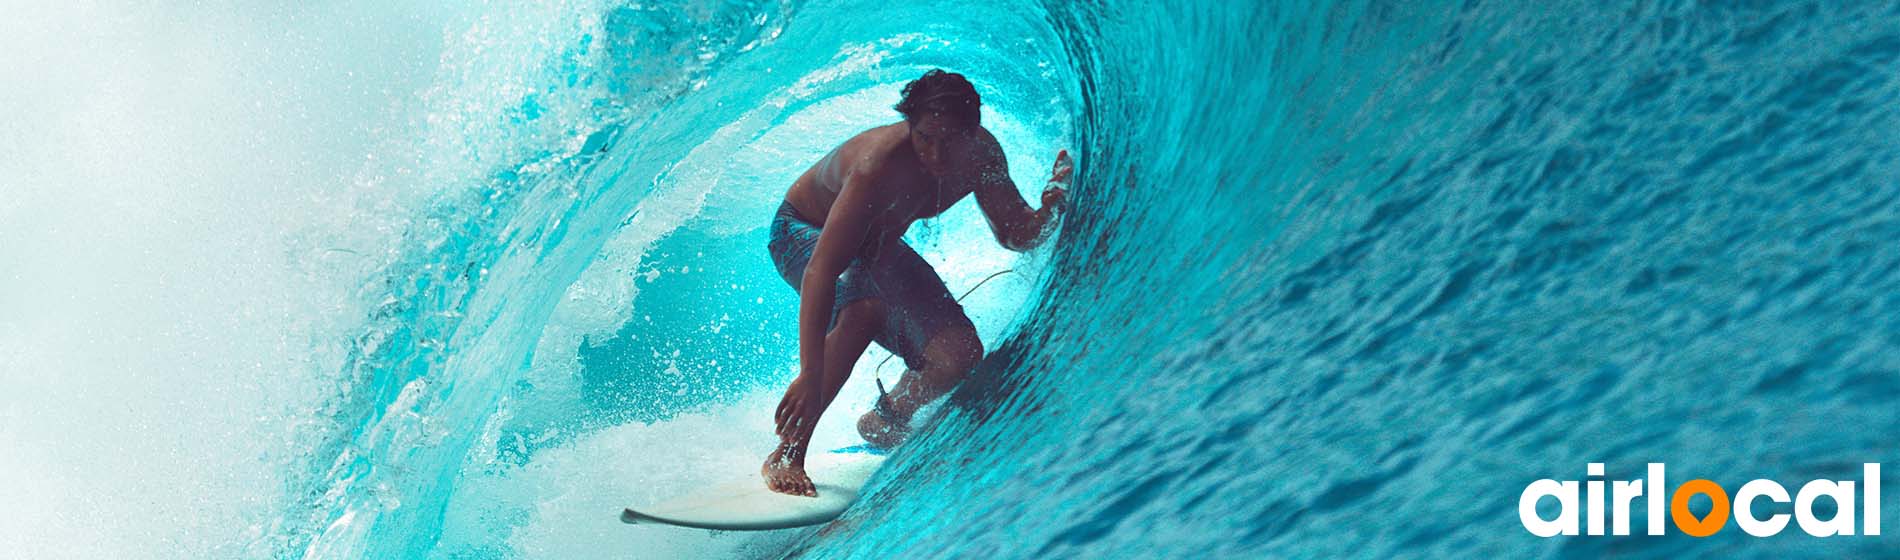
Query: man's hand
(1064, 166)
(798, 412)
(1056, 194)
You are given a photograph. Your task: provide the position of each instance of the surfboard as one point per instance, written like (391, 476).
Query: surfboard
(746, 505)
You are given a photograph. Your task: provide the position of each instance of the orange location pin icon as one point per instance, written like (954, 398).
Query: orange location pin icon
(1679, 508)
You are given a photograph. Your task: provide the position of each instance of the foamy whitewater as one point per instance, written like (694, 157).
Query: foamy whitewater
(403, 280)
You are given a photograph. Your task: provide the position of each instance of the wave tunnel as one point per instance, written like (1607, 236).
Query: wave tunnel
(1339, 277)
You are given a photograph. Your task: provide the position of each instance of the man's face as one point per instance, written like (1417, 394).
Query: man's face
(936, 141)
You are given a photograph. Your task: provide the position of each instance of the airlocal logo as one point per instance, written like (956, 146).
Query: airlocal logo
(1622, 492)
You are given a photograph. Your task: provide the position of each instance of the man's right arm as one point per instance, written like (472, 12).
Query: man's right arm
(845, 228)
(844, 231)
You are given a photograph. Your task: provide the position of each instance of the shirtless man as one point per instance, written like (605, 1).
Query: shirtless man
(837, 241)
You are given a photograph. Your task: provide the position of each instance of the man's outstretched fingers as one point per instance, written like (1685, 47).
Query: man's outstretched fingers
(787, 419)
(805, 430)
(778, 419)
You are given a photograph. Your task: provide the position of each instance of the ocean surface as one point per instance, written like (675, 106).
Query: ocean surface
(1341, 278)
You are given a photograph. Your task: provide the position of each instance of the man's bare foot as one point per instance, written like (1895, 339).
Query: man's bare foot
(784, 472)
(881, 434)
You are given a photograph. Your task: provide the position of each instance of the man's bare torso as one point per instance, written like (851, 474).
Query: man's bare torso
(906, 191)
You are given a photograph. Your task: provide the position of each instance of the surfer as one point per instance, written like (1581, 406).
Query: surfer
(837, 241)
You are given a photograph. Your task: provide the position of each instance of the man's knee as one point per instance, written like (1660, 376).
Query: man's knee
(955, 350)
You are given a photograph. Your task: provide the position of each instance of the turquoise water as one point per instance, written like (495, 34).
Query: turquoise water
(1340, 280)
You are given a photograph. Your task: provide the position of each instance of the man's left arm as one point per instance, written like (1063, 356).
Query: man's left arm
(1017, 227)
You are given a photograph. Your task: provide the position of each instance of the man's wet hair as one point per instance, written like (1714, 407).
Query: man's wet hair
(943, 93)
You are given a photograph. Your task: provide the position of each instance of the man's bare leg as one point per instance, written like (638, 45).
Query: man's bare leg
(784, 469)
(949, 356)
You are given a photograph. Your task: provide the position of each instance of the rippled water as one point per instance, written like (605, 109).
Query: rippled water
(1340, 280)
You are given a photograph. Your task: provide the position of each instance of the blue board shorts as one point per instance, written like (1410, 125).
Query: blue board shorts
(918, 304)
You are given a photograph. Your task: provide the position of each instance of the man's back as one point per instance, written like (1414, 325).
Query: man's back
(817, 189)
(903, 190)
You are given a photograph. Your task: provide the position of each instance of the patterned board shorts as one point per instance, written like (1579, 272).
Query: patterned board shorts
(915, 296)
